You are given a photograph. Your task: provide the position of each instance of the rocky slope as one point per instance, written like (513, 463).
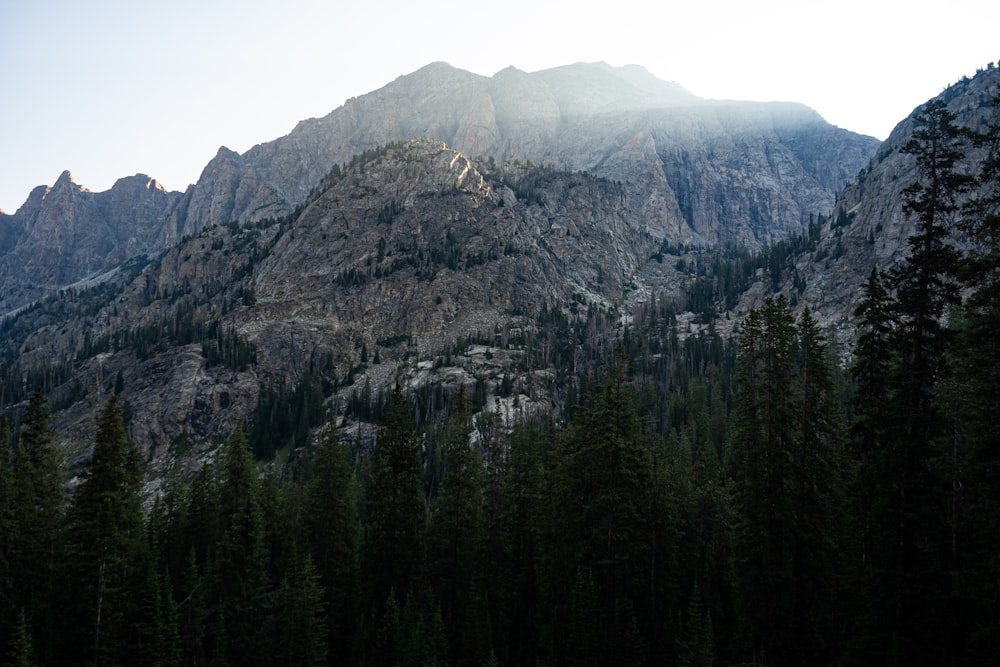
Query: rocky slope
(869, 228)
(65, 233)
(706, 171)
(409, 243)
(696, 170)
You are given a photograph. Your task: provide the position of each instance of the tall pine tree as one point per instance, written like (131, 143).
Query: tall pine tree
(107, 556)
(925, 287)
(333, 534)
(396, 512)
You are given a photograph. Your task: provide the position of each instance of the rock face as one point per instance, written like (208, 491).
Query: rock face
(409, 242)
(706, 171)
(696, 170)
(66, 233)
(869, 228)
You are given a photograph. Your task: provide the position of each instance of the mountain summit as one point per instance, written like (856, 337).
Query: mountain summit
(697, 171)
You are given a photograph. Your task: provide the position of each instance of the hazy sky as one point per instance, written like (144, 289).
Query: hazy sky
(109, 89)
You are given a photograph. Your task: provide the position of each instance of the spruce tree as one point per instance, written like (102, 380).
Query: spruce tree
(761, 459)
(395, 516)
(874, 459)
(816, 493)
(299, 617)
(35, 503)
(456, 539)
(976, 394)
(925, 287)
(603, 511)
(241, 558)
(697, 645)
(785, 461)
(333, 533)
(107, 554)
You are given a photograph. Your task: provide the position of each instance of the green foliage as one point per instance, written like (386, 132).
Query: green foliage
(107, 560)
(284, 418)
(395, 512)
(693, 501)
(784, 453)
(333, 534)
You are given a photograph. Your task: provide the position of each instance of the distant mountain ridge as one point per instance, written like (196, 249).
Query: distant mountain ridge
(698, 171)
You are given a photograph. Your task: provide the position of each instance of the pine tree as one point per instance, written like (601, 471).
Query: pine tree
(603, 517)
(785, 461)
(874, 461)
(761, 460)
(333, 534)
(456, 539)
(19, 648)
(524, 529)
(241, 559)
(107, 553)
(299, 617)
(7, 532)
(35, 501)
(396, 511)
(976, 395)
(925, 286)
(696, 647)
(583, 647)
(816, 492)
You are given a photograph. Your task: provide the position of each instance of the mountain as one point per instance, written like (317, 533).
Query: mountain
(338, 260)
(769, 165)
(406, 249)
(64, 234)
(697, 171)
(868, 227)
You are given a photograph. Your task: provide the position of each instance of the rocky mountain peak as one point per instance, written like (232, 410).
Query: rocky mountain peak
(65, 180)
(697, 171)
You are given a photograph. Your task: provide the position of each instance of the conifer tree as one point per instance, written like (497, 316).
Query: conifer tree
(785, 460)
(19, 647)
(760, 458)
(395, 517)
(107, 552)
(525, 526)
(456, 539)
(696, 647)
(603, 508)
(241, 558)
(299, 616)
(976, 359)
(816, 492)
(925, 286)
(333, 534)
(7, 575)
(35, 502)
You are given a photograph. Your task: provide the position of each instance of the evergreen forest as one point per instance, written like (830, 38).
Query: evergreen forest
(696, 501)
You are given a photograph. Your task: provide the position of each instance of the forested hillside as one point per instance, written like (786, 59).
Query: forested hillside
(633, 488)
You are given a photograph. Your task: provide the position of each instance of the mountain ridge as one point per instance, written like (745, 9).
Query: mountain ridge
(619, 123)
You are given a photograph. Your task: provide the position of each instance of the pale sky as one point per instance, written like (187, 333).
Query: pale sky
(109, 89)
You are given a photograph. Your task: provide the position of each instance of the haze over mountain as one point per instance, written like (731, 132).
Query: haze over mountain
(697, 171)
